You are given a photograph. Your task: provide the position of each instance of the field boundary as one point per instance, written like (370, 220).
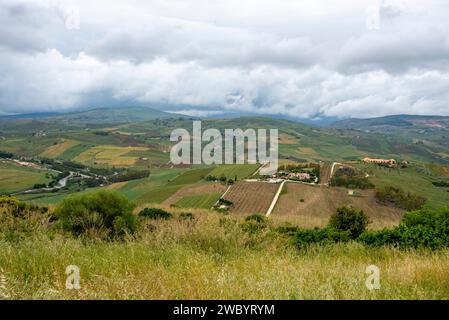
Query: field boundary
(276, 198)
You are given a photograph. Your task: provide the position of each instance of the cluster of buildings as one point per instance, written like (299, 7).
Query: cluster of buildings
(385, 162)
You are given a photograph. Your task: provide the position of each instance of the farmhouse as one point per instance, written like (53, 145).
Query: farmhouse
(299, 176)
(383, 162)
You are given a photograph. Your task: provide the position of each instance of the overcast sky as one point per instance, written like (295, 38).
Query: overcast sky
(299, 58)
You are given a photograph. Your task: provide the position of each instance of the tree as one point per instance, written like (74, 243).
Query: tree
(349, 219)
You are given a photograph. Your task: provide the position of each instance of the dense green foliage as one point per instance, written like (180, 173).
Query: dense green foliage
(349, 219)
(442, 184)
(129, 175)
(399, 198)
(423, 228)
(155, 213)
(350, 178)
(7, 155)
(102, 212)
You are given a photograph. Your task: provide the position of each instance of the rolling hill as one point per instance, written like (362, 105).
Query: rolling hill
(398, 121)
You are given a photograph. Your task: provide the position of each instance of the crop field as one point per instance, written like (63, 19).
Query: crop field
(59, 148)
(109, 155)
(74, 151)
(311, 206)
(325, 173)
(162, 184)
(411, 179)
(15, 178)
(29, 146)
(241, 171)
(199, 201)
(251, 197)
(199, 195)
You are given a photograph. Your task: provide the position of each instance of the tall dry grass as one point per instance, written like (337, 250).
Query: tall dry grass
(211, 257)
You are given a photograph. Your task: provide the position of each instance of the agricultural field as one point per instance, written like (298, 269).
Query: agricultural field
(59, 148)
(199, 201)
(251, 197)
(415, 179)
(15, 178)
(161, 185)
(241, 171)
(311, 206)
(200, 195)
(109, 156)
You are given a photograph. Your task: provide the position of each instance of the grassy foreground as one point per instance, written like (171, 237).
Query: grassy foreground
(211, 257)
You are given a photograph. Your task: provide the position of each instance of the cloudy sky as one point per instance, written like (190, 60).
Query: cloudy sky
(306, 59)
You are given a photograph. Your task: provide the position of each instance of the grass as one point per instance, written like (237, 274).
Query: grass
(212, 258)
(230, 171)
(410, 179)
(200, 201)
(15, 178)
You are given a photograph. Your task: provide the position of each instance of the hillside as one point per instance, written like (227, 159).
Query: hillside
(98, 116)
(399, 121)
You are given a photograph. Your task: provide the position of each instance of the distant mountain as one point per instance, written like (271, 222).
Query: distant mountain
(396, 121)
(100, 115)
(36, 115)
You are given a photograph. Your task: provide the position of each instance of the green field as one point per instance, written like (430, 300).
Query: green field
(241, 171)
(412, 179)
(200, 201)
(15, 178)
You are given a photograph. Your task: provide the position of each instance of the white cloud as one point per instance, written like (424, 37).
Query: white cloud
(303, 59)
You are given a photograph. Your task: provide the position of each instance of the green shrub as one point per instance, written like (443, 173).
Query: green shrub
(254, 223)
(419, 229)
(349, 219)
(399, 198)
(104, 211)
(155, 213)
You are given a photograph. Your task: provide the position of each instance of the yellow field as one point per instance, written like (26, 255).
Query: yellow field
(109, 155)
(59, 148)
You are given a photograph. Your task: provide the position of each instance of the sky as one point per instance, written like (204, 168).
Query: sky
(306, 59)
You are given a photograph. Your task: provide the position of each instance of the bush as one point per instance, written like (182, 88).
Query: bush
(424, 228)
(399, 198)
(349, 219)
(97, 212)
(155, 213)
(254, 223)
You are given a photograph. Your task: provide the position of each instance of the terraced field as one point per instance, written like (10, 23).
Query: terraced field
(251, 197)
